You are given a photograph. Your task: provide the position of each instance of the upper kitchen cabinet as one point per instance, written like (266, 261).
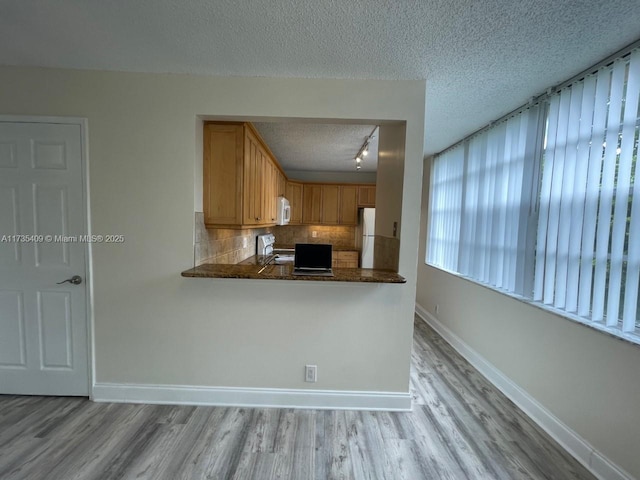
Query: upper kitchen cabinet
(270, 185)
(329, 204)
(223, 171)
(252, 189)
(366, 196)
(282, 184)
(241, 178)
(293, 193)
(312, 203)
(348, 205)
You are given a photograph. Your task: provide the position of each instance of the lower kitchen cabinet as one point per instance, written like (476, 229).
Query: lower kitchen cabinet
(345, 259)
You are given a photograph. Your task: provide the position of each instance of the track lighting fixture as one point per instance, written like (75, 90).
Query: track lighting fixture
(364, 149)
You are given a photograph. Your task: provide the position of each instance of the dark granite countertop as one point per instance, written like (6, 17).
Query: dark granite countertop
(257, 260)
(336, 248)
(284, 272)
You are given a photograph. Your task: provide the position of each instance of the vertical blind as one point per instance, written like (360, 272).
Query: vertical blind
(482, 204)
(446, 201)
(542, 204)
(586, 218)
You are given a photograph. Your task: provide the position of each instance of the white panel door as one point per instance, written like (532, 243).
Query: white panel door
(43, 324)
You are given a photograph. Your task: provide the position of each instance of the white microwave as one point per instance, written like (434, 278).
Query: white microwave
(284, 211)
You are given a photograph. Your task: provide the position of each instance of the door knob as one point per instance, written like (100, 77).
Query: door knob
(75, 280)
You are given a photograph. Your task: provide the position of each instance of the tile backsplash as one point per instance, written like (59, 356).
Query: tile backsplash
(338, 235)
(386, 253)
(224, 245)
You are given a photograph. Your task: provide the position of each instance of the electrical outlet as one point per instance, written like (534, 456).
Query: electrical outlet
(437, 308)
(244, 242)
(311, 373)
(314, 234)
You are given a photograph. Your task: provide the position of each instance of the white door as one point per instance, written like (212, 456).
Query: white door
(43, 324)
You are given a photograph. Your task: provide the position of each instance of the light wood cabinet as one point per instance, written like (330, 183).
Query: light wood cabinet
(254, 169)
(366, 196)
(329, 204)
(348, 205)
(282, 184)
(271, 186)
(312, 204)
(242, 182)
(344, 259)
(294, 195)
(241, 179)
(223, 174)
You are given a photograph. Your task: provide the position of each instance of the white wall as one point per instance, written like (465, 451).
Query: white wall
(589, 380)
(154, 327)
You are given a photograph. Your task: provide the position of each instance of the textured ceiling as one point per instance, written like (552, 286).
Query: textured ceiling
(319, 147)
(481, 58)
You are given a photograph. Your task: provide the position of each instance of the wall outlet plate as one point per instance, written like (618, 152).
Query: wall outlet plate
(311, 373)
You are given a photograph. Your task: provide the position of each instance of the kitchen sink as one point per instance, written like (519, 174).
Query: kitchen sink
(284, 258)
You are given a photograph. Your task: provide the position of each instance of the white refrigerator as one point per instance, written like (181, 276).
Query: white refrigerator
(367, 227)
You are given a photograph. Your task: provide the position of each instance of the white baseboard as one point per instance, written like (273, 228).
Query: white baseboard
(578, 447)
(251, 397)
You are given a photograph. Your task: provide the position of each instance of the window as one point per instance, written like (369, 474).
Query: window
(541, 204)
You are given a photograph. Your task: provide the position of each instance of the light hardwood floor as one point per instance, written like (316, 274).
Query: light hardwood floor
(460, 428)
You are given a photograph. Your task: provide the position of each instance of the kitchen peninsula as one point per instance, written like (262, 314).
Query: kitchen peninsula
(243, 186)
(270, 264)
(285, 272)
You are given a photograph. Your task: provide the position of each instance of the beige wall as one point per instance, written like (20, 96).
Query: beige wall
(390, 178)
(154, 327)
(389, 198)
(589, 380)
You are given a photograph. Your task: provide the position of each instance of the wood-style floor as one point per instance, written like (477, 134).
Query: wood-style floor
(460, 428)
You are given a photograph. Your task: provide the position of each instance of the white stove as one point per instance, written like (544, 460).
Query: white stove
(265, 252)
(264, 245)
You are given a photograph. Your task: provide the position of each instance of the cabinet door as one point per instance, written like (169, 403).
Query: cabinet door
(253, 174)
(312, 204)
(349, 259)
(345, 259)
(222, 172)
(266, 190)
(282, 184)
(348, 205)
(293, 193)
(367, 196)
(330, 204)
(271, 189)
